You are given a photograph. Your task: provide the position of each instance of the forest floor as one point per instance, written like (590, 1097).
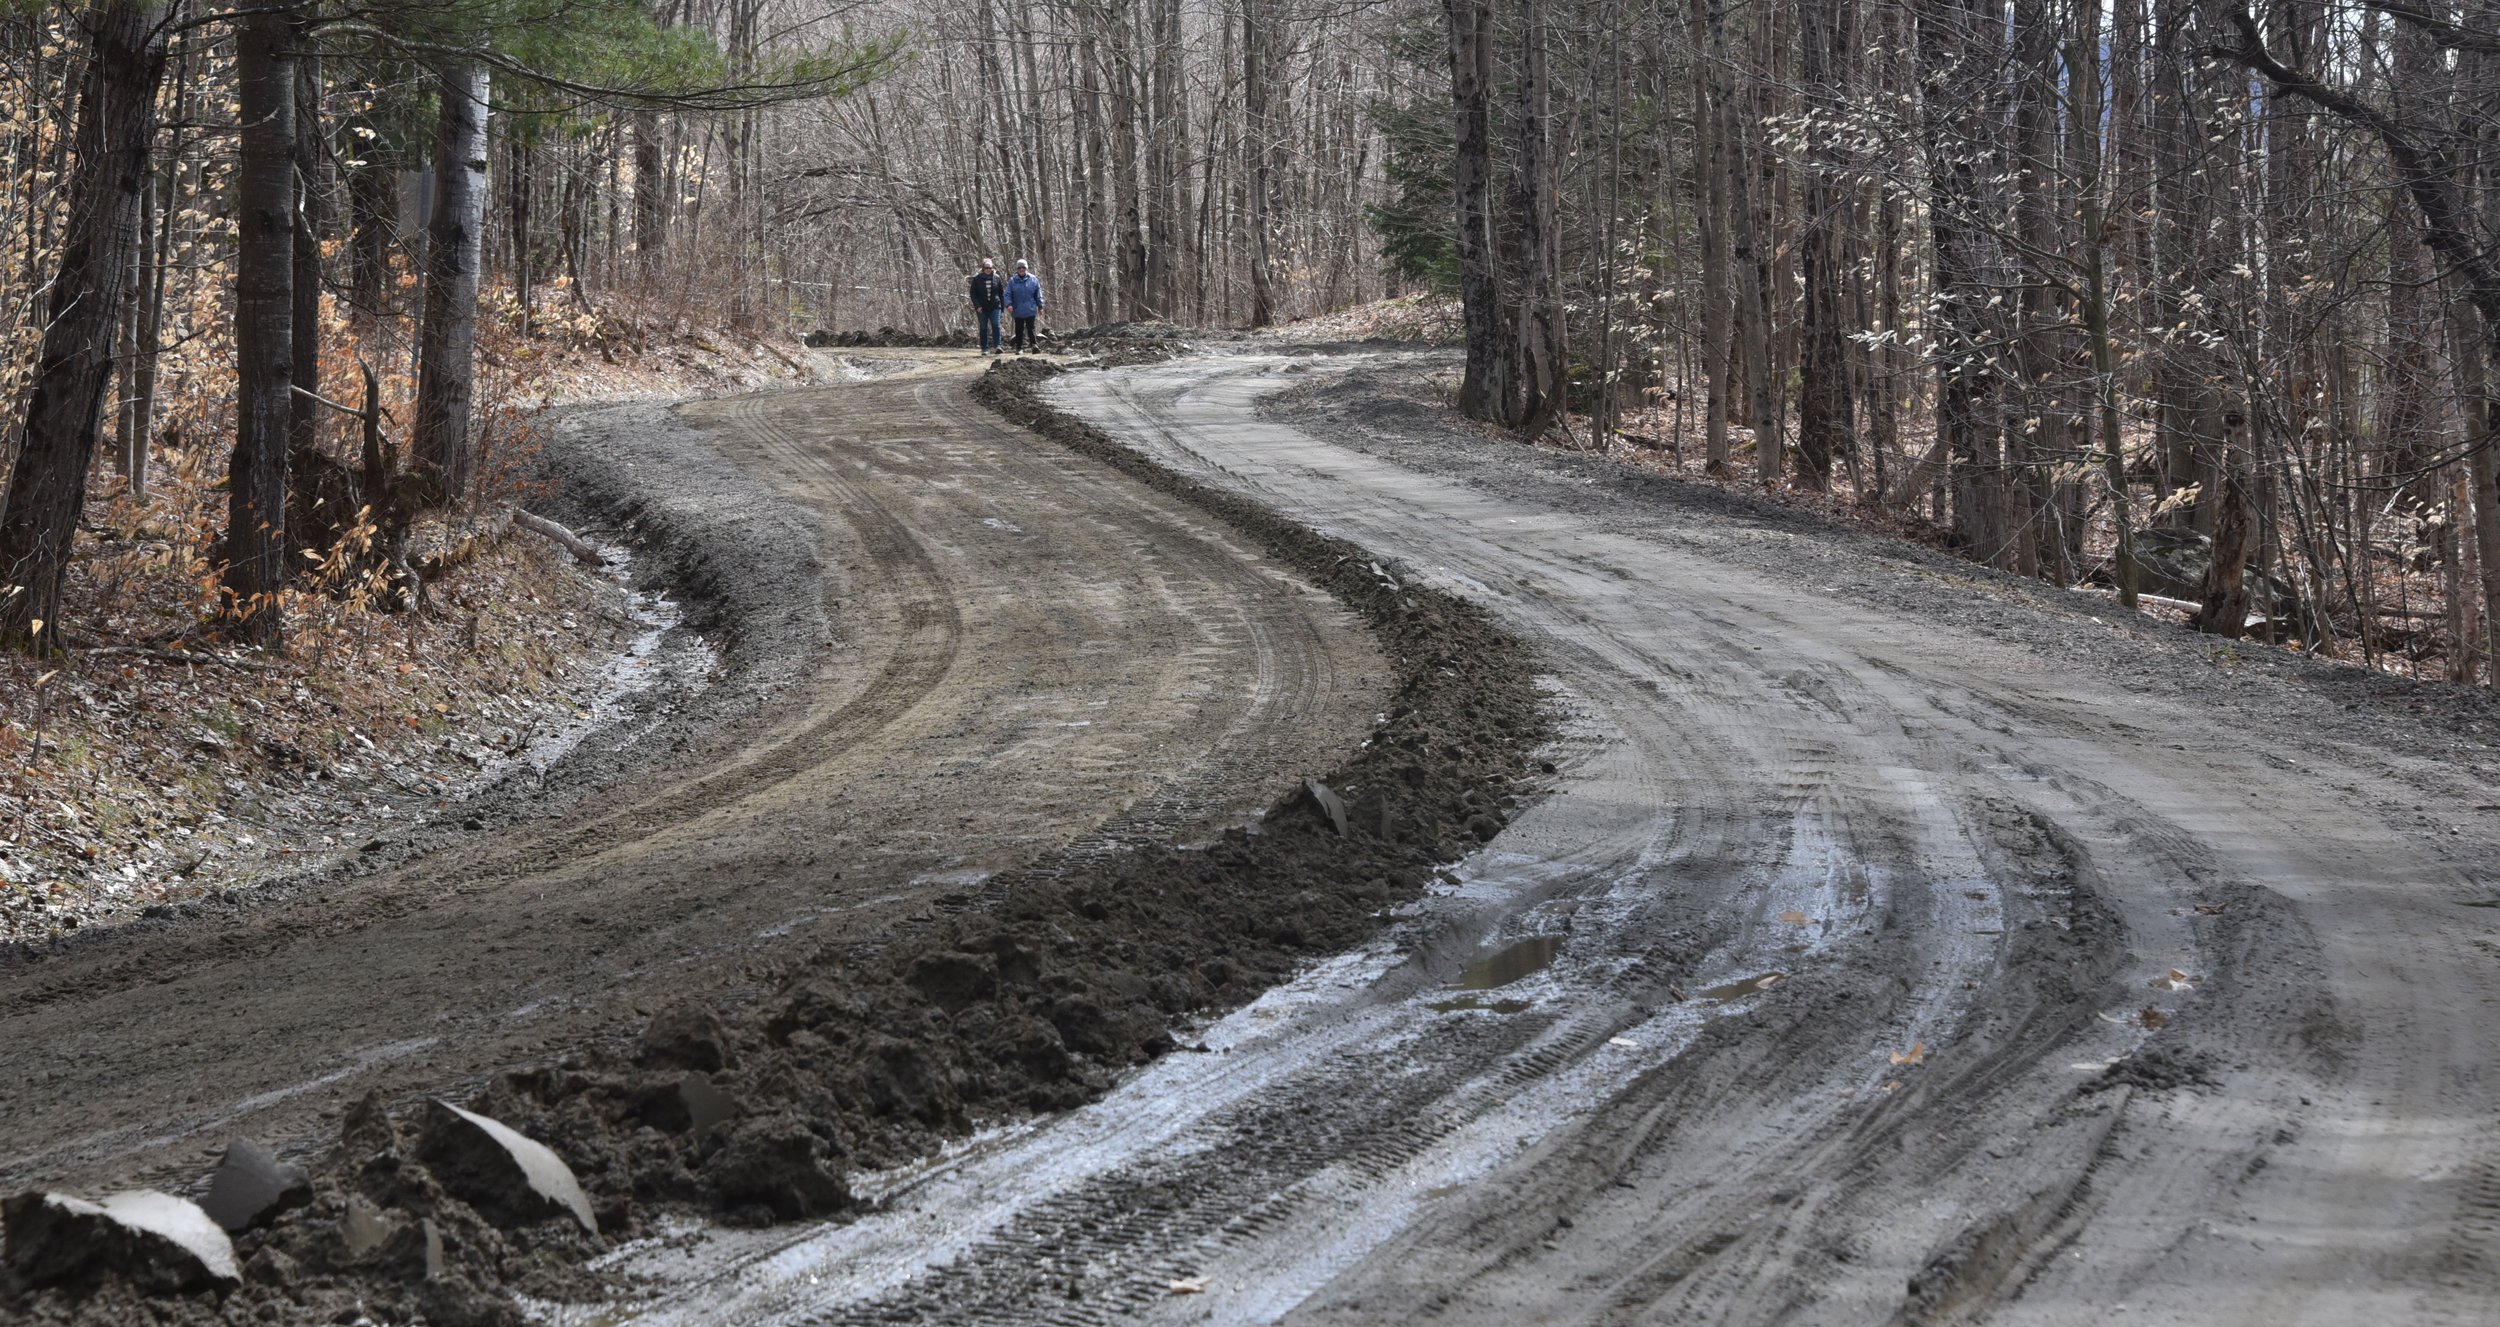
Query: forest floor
(154, 769)
(1592, 896)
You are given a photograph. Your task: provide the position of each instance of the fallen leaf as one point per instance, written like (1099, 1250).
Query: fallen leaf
(1795, 918)
(2210, 909)
(1188, 1285)
(1893, 1085)
(2174, 980)
(1917, 1054)
(2152, 1019)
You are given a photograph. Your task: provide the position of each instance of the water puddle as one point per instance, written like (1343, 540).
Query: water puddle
(1473, 1002)
(1524, 959)
(1738, 990)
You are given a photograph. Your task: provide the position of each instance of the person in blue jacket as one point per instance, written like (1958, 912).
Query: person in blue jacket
(988, 295)
(1024, 301)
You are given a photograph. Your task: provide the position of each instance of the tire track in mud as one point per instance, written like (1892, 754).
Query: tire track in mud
(1739, 816)
(686, 869)
(2080, 1030)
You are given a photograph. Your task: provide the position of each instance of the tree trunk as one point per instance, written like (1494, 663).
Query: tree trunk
(65, 398)
(1961, 294)
(1826, 421)
(447, 368)
(2225, 611)
(1487, 383)
(1544, 374)
(1710, 97)
(264, 328)
(650, 193)
(312, 223)
(1255, 96)
(372, 198)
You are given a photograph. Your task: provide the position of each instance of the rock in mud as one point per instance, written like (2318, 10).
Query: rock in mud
(511, 1179)
(707, 1107)
(1329, 802)
(688, 1036)
(154, 1241)
(779, 1164)
(252, 1186)
(366, 1227)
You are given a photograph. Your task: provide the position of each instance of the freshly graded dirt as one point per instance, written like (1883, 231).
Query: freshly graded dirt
(911, 861)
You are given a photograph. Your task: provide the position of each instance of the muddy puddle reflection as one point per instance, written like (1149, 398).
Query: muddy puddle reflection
(1524, 959)
(1738, 990)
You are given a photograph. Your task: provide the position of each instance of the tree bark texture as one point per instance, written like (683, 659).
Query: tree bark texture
(65, 400)
(447, 355)
(1485, 389)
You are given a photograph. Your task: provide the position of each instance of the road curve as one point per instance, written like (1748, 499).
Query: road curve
(1867, 964)
(993, 650)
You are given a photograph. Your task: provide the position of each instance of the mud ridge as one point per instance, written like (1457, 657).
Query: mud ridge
(1032, 991)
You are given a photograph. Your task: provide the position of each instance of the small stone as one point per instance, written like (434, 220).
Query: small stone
(154, 1241)
(1329, 802)
(706, 1105)
(252, 1186)
(366, 1227)
(508, 1177)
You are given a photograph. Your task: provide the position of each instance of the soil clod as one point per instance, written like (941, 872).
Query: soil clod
(511, 1179)
(152, 1241)
(252, 1185)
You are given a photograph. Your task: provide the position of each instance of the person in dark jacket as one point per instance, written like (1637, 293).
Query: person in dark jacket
(1024, 300)
(989, 295)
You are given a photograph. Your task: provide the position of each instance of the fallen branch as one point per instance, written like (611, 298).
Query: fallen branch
(2155, 600)
(176, 656)
(581, 548)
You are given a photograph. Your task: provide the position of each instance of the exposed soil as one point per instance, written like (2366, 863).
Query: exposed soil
(866, 1032)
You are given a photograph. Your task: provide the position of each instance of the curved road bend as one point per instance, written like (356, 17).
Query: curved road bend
(1862, 968)
(1015, 651)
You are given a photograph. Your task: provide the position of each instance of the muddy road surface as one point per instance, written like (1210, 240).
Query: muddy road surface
(943, 649)
(1902, 943)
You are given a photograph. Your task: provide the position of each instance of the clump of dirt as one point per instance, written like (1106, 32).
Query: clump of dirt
(2158, 1067)
(885, 337)
(1034, 992)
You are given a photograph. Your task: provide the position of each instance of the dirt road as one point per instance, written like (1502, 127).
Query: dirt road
(944, 650)
(1903, 943)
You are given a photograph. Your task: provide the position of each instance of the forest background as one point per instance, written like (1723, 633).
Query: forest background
(2185, 301)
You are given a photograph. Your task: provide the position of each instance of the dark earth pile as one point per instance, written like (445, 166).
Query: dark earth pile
(1033, 993)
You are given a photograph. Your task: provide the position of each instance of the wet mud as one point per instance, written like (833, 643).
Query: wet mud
(1034, 989)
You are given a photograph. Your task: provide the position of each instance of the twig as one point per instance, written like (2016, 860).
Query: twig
(581, 548)
(177, 656)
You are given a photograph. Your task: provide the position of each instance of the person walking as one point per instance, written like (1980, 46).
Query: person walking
(1024, 300)
(989, 296)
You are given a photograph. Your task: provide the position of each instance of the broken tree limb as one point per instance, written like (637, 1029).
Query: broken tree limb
(581, 548)
(311, 395)
(2155, 600)
(176, 656)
